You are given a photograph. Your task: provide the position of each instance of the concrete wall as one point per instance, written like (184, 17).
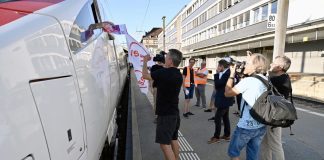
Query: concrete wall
(306, 57)
(310, 86)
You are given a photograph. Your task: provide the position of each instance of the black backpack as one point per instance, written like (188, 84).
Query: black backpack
(273, 109)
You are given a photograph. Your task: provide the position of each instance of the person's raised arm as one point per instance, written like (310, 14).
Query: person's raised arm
(145, 73)
(230, 91)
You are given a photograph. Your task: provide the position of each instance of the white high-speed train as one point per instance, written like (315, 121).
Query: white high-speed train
(59, 85)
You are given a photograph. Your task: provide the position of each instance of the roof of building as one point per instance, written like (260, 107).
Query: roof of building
(153, 33)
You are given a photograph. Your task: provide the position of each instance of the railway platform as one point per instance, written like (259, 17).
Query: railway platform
(306, 143)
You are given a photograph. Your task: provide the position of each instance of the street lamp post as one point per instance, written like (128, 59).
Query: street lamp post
(163, 18)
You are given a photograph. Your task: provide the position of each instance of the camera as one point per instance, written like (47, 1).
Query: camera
(240, 66)
(159, 57)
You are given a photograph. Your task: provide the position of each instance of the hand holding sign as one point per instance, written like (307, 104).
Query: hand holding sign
(147, 58)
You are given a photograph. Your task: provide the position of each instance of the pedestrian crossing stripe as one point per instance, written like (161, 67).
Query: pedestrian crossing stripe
(186, 151)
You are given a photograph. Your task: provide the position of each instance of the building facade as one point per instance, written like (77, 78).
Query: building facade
(212, 29)
(173, 34)
(150, 40)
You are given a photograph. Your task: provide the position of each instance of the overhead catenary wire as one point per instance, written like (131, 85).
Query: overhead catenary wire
(147, 7)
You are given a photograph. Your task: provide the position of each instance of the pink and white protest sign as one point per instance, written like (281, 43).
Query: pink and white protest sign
(136, 53)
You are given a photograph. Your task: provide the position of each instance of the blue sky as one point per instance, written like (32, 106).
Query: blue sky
(132, 13)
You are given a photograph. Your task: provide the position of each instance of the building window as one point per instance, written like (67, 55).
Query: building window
(223, 27)
(220, 6)
(184, 16)
(247, 18)
(274, 7)
(229, 3)
(214, 30)
(212, 11)
(228, 25)
(256, 15)
(195, 22)
(240, 23)
(224, 4)
(235, 23)
(264, 12)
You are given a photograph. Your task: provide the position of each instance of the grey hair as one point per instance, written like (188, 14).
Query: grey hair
(285, 62)
(176, 56)
(261, 63)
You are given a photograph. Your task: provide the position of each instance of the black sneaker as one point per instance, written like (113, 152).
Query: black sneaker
(185, 115)
(197, 105)
(189, 113)
(207, 110)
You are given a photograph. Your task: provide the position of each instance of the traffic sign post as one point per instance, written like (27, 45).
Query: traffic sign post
(271, 21)
(280, 28)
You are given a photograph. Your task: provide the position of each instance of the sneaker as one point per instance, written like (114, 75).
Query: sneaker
(197, 105)
(189, 113)
(213, 140)
(211, 119)
(207, 110)
(226, 138)
(185, 115)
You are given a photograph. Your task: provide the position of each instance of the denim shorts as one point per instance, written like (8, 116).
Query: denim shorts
(191, 91)
(251, 138)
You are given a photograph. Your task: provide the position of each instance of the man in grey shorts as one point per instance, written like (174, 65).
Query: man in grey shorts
(168, 83)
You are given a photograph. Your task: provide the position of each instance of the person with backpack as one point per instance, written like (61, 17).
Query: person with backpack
(248, 132)
(271, 143)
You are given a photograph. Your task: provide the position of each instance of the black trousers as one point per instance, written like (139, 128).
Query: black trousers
(222, 114)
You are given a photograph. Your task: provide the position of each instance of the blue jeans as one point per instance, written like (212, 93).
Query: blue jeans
(251, 138)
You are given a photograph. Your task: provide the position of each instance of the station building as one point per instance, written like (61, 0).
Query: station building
(211, 29)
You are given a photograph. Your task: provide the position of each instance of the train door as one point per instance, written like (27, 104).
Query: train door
(60, 113)
(113, 59)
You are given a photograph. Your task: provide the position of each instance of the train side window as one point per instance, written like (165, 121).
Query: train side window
(80, 36)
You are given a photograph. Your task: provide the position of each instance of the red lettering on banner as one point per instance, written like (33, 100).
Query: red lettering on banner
(134, 53)
(142, 58)
(141, 81)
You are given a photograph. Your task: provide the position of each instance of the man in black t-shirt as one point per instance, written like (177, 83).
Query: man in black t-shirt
(168, 83)
(271, 144)
(160, 60)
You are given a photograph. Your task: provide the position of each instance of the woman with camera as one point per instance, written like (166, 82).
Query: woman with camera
(249, 132)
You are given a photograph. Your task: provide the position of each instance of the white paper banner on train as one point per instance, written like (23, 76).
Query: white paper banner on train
(136, 53)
